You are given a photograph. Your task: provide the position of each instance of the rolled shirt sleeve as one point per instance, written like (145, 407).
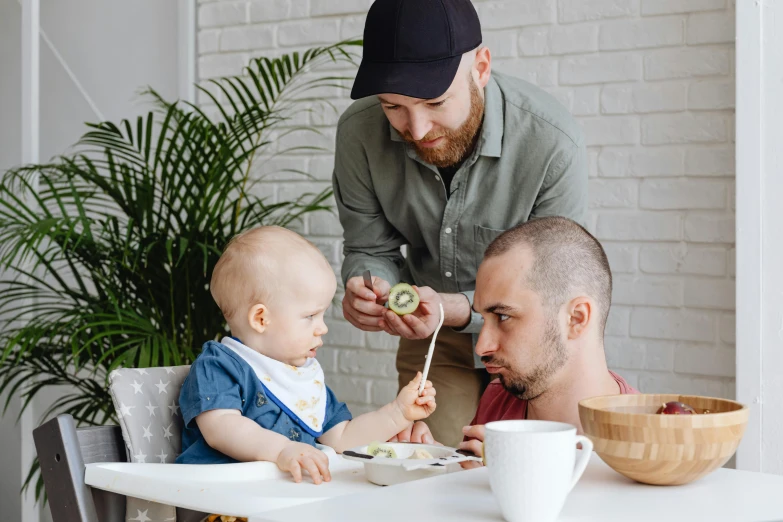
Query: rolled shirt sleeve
(476, 321)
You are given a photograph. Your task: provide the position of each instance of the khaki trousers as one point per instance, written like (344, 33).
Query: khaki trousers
(458, 383)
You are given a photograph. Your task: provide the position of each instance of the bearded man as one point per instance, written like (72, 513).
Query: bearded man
(545, 291)
(440, 155)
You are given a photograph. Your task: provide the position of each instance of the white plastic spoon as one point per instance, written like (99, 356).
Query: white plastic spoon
(429, 353)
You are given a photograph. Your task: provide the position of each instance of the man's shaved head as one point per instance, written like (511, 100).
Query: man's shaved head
(566, 259)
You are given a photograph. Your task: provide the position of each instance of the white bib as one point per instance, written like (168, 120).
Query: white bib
(298, 390)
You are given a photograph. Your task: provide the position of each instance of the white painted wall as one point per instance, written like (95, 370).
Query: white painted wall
(10, 154)
(652, 83)
(94, 57)
(10, 83)
(760, 250)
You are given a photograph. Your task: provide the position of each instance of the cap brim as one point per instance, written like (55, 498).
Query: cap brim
(424, 80)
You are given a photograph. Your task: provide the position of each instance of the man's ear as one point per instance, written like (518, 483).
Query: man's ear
(580, 315)
(258, 318)
(483, 66)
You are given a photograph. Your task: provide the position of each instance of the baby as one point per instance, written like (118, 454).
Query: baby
(260, 393)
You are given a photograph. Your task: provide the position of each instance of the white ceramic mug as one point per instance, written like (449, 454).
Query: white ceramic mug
(531, 466)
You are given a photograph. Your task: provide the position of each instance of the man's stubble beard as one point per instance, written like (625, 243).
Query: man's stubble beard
(530, 385)
(457, 143)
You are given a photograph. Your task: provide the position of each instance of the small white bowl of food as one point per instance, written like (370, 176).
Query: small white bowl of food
(391, 463)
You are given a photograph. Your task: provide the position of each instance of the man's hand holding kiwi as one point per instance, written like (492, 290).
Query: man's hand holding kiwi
(364, 309)
(421, 323)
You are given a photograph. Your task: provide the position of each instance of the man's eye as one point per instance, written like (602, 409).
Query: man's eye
(392, 107)
(437, 104)
(502, 317)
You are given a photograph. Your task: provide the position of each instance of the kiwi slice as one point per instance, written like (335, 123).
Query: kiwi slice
(403, 299)
(381, 450)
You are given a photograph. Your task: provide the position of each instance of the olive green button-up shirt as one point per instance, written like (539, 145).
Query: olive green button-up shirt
(530, 161)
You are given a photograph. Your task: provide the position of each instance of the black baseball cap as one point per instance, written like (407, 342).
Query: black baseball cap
(414, 47)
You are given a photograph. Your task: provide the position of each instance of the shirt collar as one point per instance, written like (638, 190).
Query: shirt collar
(491, 140)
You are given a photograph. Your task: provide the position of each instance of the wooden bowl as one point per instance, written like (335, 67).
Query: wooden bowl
(663, 449)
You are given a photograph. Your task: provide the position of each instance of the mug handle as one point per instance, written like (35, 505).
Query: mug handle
(587, 451)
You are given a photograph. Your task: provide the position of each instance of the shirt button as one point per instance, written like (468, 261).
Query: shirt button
(437, 177)
(448, 274)
(448, 230)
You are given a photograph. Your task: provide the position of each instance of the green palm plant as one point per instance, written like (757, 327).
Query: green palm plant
(106, 253)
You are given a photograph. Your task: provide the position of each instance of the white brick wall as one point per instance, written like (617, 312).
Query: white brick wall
(652, 83)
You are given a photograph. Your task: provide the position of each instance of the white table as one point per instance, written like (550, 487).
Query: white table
(259, 490)
(601, 494)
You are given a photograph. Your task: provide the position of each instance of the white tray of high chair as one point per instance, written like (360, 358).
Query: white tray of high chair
(228, 489)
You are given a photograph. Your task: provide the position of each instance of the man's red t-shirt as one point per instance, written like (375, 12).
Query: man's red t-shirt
(498, 404)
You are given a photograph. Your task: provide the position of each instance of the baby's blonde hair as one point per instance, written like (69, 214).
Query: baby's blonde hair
(252, 264)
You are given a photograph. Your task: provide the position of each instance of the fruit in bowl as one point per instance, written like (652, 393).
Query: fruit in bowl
(675, 408)
(663, 439)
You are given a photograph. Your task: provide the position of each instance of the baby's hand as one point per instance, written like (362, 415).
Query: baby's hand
(412, 406)
(297, 456)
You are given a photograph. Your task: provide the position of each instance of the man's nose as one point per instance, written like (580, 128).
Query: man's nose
(486, 344)
(419, 125)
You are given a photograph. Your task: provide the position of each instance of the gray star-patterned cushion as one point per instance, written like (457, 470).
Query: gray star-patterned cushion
(147, 404)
